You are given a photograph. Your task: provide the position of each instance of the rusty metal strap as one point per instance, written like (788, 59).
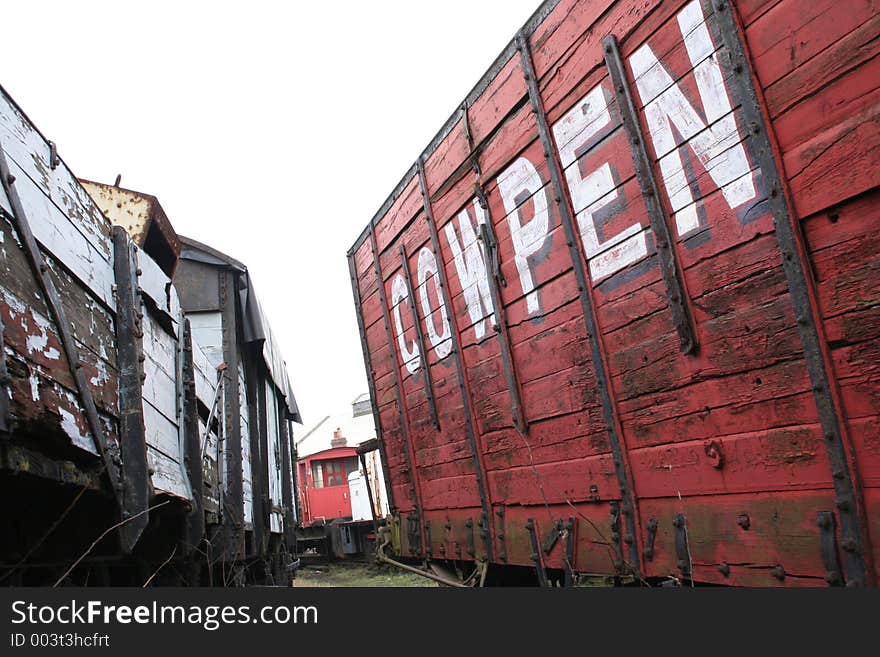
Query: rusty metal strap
(65, 332)
(496, 281)
(479, 469)
(536, 553)
(5, 421)
(850, 501)
(670, 269)
(420, 336)
(371, 374)
(414, 492)
(129, 359)
(563, 203)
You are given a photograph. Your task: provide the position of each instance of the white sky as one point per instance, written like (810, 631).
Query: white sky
(271, 131)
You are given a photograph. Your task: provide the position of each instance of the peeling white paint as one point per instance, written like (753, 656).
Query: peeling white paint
(71, 428)
(35, 342)
(102, 377)
(35, 387)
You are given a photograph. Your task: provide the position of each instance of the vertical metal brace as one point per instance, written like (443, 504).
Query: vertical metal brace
(485, 503)
(858, 560)
(65, 332)
(500, 535)
(257, 430)
(288, 486)
(485, 535)
(563, 203)
(648, 552)
(490, 253)
(5, 420)
(679, 522)
(133, 442)
(371, 374)
(428, 548)
(407, 451)
(670, 269)
(570, 540)
(469, 536)
(536, 553)
(496, 281)
(233, 491)
(192, 440)
(420, 336)
(828, 546)
(616, 537)
(414, 533)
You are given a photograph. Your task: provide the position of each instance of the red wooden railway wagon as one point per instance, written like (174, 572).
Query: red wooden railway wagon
(621, 317)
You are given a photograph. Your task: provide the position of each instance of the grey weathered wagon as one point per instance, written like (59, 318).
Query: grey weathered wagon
(114, 416)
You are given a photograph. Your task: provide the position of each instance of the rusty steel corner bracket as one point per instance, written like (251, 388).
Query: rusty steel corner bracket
(563, 202)
(670, 268)
(858, 566)
(65, 332)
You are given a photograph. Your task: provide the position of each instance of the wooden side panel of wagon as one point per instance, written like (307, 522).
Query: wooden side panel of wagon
(75, 246)
(820, 80)
(655, 274)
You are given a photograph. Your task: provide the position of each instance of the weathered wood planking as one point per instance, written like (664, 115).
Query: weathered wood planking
(824, 105)
(709, 438)
(246, 478)
(44, 391)
(273, 453)
(64, 218)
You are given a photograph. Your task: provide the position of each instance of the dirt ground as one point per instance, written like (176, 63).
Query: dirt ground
(357, 574)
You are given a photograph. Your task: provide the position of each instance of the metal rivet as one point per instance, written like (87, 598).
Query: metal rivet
(778, 572)
(744, 521)
(832, 577)
(724, 569)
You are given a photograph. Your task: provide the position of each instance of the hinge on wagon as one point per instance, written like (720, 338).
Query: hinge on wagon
(428, 539)
(413, 534)
(681, 544)
(569, 552)
(615, 537)
(499, 534)
(828, 544)
(484, 534)
(648, 552)
(469, 535)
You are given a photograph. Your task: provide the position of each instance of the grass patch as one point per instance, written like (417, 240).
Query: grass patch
(344, 574)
